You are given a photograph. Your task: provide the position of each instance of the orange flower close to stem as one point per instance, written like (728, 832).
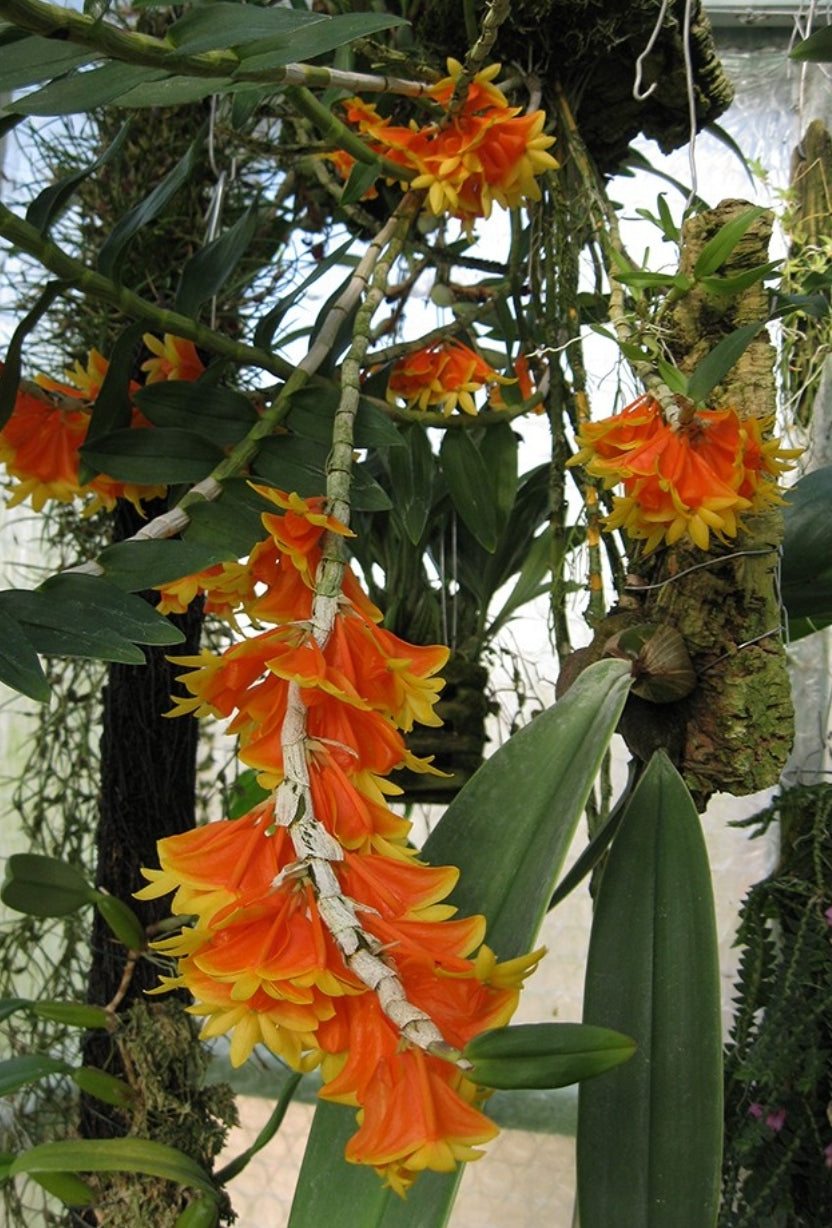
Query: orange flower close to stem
(485, 153)
(445, 375)
(260, 955)
(691, 481)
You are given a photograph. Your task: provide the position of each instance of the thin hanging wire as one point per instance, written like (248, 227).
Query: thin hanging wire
(224, 178)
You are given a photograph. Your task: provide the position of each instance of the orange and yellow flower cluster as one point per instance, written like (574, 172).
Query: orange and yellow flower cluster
(484, 153)
(690, 480)
(445, 375)
(260, 957)
(40, 443)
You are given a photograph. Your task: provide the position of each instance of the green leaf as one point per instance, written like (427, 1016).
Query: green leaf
(109, 257)
(649, 1134)
(816, 49)
(214, 27)
(201, 1213)
(219, 414)
(361, 178)
(19, 664)
(507, 873)
(8, 1006)
(113, 409)
(67, 630)
(12, 366)
(44, 886)
(544, 1054)
(172, 91)
(244, 794)
(75, 1014)
(268, 324)
(104, 1086)
(164, 455)
(293, 464)
(122, 921)
(231, 527)
(92, 597)
(28, 60)
(207, 271)
(498, 450)
(413, 475)
(313, 40)
(531, 583)
(725, 138)
(69, 1188)
(128, 1155)
(313, 414)
(86, 90)
(717, 250)
(716, 364)
(736, 283)
(140, 565)
(470, 486)
(49, 203)
(17, 1072)
(675, 379)
(806, 571)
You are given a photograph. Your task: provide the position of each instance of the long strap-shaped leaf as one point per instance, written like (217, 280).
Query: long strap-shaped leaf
(508, 831)
(650, 1132)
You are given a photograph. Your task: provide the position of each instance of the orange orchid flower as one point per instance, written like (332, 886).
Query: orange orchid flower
(445, 375)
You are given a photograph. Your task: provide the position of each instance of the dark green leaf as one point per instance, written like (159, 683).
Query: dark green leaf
(225, 525)
(26, 60)
(48, 204)
(675, 379)
(214, 27)
(10, 374)
(470, 486)
(131, 223)
(545, 1054)
(293, 463)
(498, 451)
(313, 414)
(531, 582)
(717, 250)
(207, 271)
(19, 664)
(43, 886)
(112, 409)
(128, 1155)
(413, 476)
(201, 1213)
(313, 41)
(8, 1006)
(816, 49)
(64, 632)
(17, 1072)
(736, 283)
(716, 364)
(86, 90)
(219, 414)
(266, 1134)
(725, 138)
(806, 572)
(94, 598)
(367, 495)
(147, 457)
(650, 1133)
(172, 91)
(140, 565)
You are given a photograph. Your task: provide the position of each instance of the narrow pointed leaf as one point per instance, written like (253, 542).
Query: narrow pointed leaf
(131, 223)
(48, 204)
(717, 250)
(26, 61)
(470, 486)
(544, 1054)
(75, 1014)
(69, 1188)
(650, 1134)
(219, 414)
(133, 566)
(816, 49)
(112, 410)
(507, 872)
(104, 1086)
(92, 597)
(316, 39)
(713, 368)
(83, 91)
(129, 1155)
(207, 271)
(166, 455)
(806, 577)
(17, 1072)
(412, 474)
(10, 374)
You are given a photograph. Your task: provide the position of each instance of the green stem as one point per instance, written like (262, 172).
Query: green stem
(497, 12)
(112, 42)
(57, 261)
(336, 132)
